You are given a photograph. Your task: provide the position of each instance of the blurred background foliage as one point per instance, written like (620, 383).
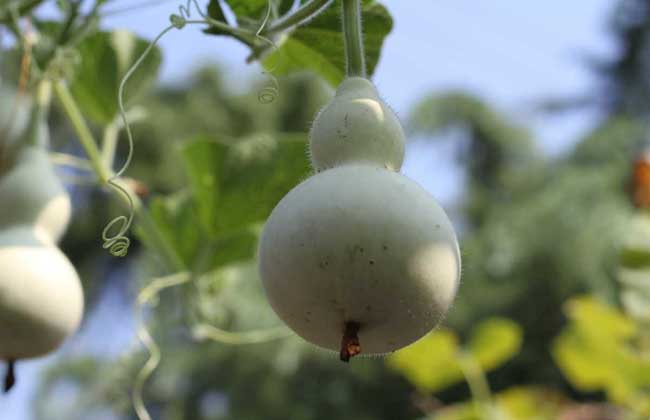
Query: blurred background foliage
(553, 314)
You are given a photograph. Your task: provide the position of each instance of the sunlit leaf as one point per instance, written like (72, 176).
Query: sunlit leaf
(431, 363)
(595, 351)
(599, 319)
(494, 342)
(525, 403)
(578, 363)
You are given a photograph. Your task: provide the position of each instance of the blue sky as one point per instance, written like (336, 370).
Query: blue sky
(511, 53)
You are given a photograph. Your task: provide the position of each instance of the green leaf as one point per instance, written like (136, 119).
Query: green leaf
(235, 186)
(595, 351)
(596, 318)
(495, 341)
(105, 59)
(175, 219)
(21, 7)
(216, 12)
(318, 45)
(252, 9)
(578, 363)
(95, 84)
(234, 247)
(431, 363)
(635, 252)
(525, 403)
(128, 49)
(285, 5)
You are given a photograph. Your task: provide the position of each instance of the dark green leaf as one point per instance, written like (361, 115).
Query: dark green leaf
(175, 219)
(318, 46)
(216, 12)
(97, 78)
(239, 185)
(253, 9)
(285, 5)
(105, 59)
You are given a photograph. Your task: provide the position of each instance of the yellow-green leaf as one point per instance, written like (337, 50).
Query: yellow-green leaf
(599, 319)
(495, 341)
(429, 364)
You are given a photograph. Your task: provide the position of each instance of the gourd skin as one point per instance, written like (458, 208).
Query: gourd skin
(356, 126)
(358, 243)
(41, 299)
(31, 194)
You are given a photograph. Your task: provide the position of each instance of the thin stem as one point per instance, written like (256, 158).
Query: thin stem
(72, 15)
(167, 253)
(109, 143)
(478, 385)
(210, 332)
(353, 38)
(83, 132)
(305, 12)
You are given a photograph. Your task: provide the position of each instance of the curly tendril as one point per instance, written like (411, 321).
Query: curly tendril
(149, 296)
(268, 94)
(185, 12)
(118, 244)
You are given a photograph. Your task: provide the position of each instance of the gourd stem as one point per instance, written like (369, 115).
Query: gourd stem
(83, 132)
(350, 345)
(164, 249)
(10, 377)
(353, 38)
(478, 385)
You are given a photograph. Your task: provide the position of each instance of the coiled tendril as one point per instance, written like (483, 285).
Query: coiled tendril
(268, 94)
(185, 12)
(118, 244)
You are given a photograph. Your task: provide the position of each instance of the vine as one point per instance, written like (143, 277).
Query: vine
(355, 58)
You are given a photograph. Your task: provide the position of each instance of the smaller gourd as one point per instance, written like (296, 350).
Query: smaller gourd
(41, 299)
(30, 192)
